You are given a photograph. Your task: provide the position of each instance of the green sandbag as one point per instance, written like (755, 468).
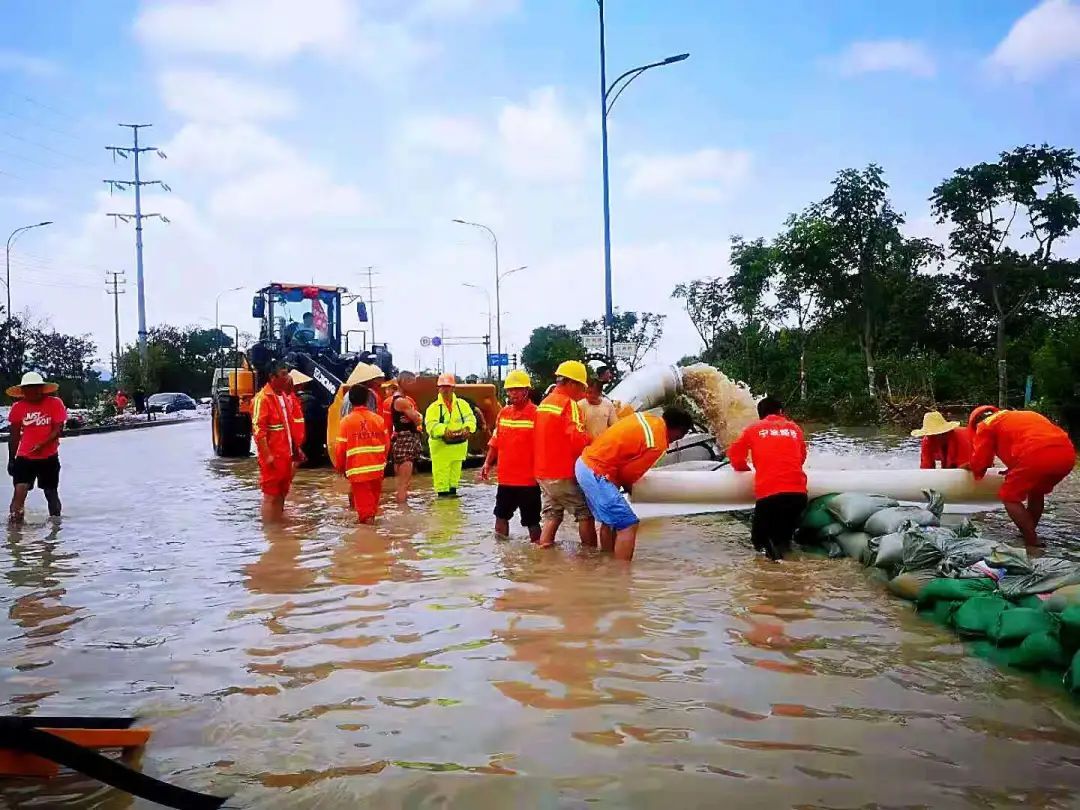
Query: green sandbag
(816, 515)
(855, 544)
(954, 589)
(1030, 601)
(1039, 650)
(1013, 626)
(1070, 628)
(1063, 598)
(909, 586)
(943, 610)
(977, 615)
(1072, 677)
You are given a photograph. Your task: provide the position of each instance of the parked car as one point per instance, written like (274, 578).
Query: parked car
(170, 403)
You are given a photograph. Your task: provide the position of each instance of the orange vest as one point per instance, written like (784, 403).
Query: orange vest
(268, 419)
(952, 449)
(778, 450)
(515, 440)
(1014, 436)
(296, 418)
(361, 446)
(560, 436)
(628, 449)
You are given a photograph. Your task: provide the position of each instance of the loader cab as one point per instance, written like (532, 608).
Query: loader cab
(297, 317)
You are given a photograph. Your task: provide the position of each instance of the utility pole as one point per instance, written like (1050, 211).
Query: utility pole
(116, 291)
(138, 216)
(371, 273)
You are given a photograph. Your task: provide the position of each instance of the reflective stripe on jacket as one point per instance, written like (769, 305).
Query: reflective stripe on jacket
(296, 419)
(360, 454)
(560, 436)
(267, 419)
(516, 445)
(628, 449)
(1013, 436)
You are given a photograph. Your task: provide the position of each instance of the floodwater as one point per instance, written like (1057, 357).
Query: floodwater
(424, 664)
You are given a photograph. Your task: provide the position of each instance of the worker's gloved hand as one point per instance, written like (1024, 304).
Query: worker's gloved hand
(11, 467)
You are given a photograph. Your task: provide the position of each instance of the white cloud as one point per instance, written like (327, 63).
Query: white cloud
(34, 66)
(444, 9)
(203, 95)
(707, 175)
(540, 140)
(453, 135)
(887, 56)
(224, 149)
(1044, 39)
(287, 192)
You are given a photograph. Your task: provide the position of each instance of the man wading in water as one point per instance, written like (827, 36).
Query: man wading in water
(37, 420)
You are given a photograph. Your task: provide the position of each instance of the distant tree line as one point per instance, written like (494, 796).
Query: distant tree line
(846, 317)
(178, 359)
(29, 345)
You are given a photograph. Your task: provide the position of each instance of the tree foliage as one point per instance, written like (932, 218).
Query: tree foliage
(640, 331)
(26, 345)
(547, 347)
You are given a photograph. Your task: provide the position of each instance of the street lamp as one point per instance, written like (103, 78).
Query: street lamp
(608, 96)
(7, 258)
(217, 301)
(487, 295)
(498, 278)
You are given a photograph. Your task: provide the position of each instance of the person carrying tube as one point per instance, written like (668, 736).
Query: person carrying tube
(777, 449)
(513, 448)
(278, 438)
(945, 444)
(1038, 456)
(617, 459)
(560, 438)
(360, 450)
(449, 421)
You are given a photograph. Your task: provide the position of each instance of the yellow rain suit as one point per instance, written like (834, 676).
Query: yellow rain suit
(446, 457)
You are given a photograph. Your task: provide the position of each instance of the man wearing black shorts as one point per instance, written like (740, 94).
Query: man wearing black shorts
(511, 448)
(37, 420)
(776, 447)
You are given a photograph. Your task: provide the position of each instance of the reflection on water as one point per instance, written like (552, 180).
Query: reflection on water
(421, 663)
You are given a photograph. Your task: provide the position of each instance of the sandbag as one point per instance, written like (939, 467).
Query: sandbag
(1070, 628)
(1013, 626)
(816, 515)
(909, 586)
(1030, 601)
(1039, 650)
(1072, 677)
(893, 519)
(831, 531)
(1047, 574)
(855, 544)
(1063, 598)
(943, 610)
(924, 547)
(832, 548)
(853, 508)
(890, 551)
(977, 615)
(953, 589)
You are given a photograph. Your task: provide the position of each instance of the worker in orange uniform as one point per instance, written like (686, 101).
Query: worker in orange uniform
(277, 441)
(360, 454)
(297, 379)
(777, 449)
(1037, 453)
(560, 438)
(945, 444)
(617, 459)
(513, 447)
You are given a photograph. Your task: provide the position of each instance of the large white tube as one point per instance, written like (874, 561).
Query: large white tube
(648, 387)
(727, 486)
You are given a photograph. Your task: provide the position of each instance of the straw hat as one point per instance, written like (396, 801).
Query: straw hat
(934, 424)
(32, 378)
(363, 373)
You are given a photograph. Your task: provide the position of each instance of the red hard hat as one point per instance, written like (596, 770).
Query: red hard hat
(979, 414)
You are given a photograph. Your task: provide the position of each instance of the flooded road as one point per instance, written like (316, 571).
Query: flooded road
(423, 664)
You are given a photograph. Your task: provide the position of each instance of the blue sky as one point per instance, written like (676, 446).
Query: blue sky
(309, 140)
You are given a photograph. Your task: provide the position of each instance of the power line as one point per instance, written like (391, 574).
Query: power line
(138, 216)
(40, 145)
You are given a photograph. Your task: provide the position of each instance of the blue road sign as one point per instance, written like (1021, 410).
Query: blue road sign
(498, 359)
(436, 341)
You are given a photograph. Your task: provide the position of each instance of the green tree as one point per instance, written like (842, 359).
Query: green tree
(705, 301)
(1006, 218)
(66, 360)
(177, 360)
(641, 331)
(14, 342)
(547, 347)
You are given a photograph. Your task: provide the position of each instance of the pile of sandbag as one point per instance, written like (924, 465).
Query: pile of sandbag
(1022, 613)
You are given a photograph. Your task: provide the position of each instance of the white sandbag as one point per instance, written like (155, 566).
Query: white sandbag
(890, 551)
(854, 508)
(894, 518)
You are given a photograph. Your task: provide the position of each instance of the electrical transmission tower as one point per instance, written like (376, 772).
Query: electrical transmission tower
(114, 287)
(138, 216)
(371, 272)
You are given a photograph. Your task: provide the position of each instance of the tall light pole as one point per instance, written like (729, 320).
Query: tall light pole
(487, 295)
(498, 299)
(608, 96)
(217, 302)
(7, 258)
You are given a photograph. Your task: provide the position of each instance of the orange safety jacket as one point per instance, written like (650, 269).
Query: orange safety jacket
(776, 446)
(268, 419)
(952, 449)
(1014, 437)
(628, 449)
(560, 436)
(360, 454)
(296, 418)
(515, 443)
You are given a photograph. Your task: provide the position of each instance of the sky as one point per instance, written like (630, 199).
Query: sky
(307, 141)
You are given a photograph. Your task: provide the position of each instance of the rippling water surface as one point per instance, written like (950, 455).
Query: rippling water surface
(423, 664)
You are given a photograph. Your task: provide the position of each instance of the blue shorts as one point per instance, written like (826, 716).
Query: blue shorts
(605, 501)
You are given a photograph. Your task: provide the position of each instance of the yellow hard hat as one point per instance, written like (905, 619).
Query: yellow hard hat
(517, 379)
(573, 370)
(446, 379)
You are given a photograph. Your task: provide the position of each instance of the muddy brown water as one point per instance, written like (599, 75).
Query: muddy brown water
(424, 664)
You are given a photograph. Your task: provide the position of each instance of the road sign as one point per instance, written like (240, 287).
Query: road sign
(436, 341)
(498, 360)
(624, 351)
(594, 343)
(425, 341)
